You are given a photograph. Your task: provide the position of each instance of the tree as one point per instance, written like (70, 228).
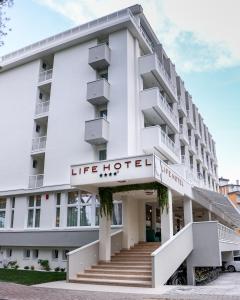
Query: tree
(4, 5)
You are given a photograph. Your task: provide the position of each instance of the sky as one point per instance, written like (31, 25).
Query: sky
(201, 37)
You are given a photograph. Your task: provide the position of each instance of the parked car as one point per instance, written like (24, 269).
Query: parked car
(234, 265)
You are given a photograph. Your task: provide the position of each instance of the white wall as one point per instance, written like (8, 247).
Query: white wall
(18, 90)
(68, 112)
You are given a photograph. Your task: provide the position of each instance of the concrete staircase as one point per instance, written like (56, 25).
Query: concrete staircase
(131, 267)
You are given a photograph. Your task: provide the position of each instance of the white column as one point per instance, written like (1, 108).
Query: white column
(190, 273)
(105, 238)
(209, 216)
(167, 220)
(188, 212)
(142, 220)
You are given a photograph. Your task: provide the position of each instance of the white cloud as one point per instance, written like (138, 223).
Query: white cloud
(197, 35)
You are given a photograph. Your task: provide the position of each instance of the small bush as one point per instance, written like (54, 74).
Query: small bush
(11, 264)
(16, 267)
(57, 269)
(44, 263)
(32, 268)
(26, 268)
(62, 269)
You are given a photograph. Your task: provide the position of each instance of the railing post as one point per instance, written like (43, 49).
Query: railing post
(105, 238)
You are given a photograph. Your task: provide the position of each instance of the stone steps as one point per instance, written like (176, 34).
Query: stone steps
(135, 283)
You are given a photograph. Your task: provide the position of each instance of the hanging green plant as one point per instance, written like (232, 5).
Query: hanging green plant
(106, 195)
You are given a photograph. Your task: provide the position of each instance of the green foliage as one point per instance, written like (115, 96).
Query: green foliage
(57, 269)
(44, 263)
(12, 264)
(106, 195)
(26, 268)
(29, 277)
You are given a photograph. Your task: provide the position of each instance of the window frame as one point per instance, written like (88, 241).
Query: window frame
(4, 211)
(35, 208)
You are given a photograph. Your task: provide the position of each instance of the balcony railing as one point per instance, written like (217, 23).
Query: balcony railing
(39, 144)
(42, 108)
(168, 142)
(167, 77)
(190, 116)
(45, 75)
(36, 181)
(226, 234)
(168, 109)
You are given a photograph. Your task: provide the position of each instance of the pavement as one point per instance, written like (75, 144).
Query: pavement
(226, 287)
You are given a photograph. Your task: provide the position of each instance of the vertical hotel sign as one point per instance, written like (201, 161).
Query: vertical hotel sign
(119, 171)
(167, 176)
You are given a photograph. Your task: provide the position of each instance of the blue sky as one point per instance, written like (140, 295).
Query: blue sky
(201, 37)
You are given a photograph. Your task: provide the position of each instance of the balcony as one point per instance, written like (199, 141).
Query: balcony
(156, 108)
(97, 131)
(35, 181)
(45, 76)
(39, 144)
(154, 137)
(192, 148)
(99, 57)
(190, 118)
(199, 157)
(98, 92)
(150, 69)
(182, 106)
(42, 108)
(183, 134)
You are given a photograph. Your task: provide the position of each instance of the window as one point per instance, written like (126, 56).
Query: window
(34, 209)
(3, 203)
(117, 213)
(26, 253)
(9, 252)
(79, 211)
(103, 74)
(12, 211)
(102, 154)
(64, 254)
(35, 253)
(38, 128)
(237, 258)
(103, 113)
(34, 165)
(55, 254)
(97, 212)
(58, 208)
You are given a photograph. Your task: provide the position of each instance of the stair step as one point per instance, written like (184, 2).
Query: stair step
(119, 271)
(115, 276)
(129, 263)
(123, 267)
(131, 253)
(131, 258)
(136, 283)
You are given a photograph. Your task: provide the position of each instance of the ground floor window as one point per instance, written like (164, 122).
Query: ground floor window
(3, 204)
(26, 253)
(55, 254)
(64, 254)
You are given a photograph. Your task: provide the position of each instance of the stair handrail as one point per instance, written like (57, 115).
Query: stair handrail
(160, 275)
(91, 251)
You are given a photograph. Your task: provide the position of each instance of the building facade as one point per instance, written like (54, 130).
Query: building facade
(103, 91)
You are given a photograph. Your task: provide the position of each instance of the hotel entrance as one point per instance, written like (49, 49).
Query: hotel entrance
(153, 223)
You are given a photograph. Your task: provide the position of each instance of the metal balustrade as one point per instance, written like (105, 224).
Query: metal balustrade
(39, 144)
(45, 75)
(226, 234)
(165, 75)
(35, 181)
(168, 110)
(42, 107)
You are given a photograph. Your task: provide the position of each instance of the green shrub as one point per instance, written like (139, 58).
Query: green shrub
(32, 268)
(44, 263)
(57, 269)
(26, 268)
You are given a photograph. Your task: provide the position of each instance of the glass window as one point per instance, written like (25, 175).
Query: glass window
(64, 254)
(34, 211)
(3, 204)
(35, 253)
(97, 212)
(102, 154)
(117, 213)
(103, 113)
(12, 212)
(58, 209)
(26, 253)
(79, 212)
(9, 252)
(55, 254)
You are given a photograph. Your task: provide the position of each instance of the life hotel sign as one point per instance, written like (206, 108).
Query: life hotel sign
(127, 170)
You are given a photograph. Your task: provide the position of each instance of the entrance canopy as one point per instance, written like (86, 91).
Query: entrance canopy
(130, 170)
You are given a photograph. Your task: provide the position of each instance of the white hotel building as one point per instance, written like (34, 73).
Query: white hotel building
(105, 98)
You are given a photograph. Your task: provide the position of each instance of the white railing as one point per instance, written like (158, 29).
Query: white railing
(45, 75)
(181, 104)
(42, 107)
(227, 235)
(189, 115)
(191, 142)
(183, 159)
(35, 181)
(169, 111)
(183, 130)
(165, 75)
(75, 31)
(168, 142)
(88, 255)
(166, 260)
(39, 143)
